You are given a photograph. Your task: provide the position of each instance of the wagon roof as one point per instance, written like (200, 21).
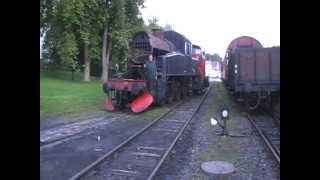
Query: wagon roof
(243, 41)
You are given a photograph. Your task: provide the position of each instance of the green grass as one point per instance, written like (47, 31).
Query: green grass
(222, 99)
(59, 95)
(223, 148)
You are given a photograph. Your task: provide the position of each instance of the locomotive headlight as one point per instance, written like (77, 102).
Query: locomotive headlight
(236, 71)
(224, 113)
(235, 66)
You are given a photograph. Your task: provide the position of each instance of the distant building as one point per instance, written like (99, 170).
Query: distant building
(213, 69)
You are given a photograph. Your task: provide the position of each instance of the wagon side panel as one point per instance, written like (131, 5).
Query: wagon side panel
(246, 66)
(275, 66)
(262, 68)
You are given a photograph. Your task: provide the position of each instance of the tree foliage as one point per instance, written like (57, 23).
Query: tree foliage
(130, 24)
(123, 21)
(214, 57)
(153, 24)
(71, 26)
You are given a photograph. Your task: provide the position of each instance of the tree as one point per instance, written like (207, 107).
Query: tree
(60, 40)
(82, 31)
(122, 21)
(216, 57)
(153, 24)
(46, 13)
(74, 28)
(91, 18)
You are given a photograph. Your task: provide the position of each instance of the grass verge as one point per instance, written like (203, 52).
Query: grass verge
(221, 148)
(59, 95)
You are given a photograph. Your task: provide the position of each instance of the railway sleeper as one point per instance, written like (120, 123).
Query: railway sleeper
(150, 148)
(146, 154)
(167, 130)
(173, 120)
(124, 171)
(121, 173)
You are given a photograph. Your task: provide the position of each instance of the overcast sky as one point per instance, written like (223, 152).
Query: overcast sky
(213, 24)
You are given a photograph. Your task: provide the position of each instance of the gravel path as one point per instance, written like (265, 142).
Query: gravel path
(201, 143)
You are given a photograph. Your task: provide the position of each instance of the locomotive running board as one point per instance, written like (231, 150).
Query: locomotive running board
(142, 102)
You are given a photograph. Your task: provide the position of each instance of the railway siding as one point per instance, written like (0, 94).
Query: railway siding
(63, 158)
(134, 162)
(201, 143)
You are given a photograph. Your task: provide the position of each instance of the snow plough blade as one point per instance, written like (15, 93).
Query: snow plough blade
(142, 102)
(108, 105)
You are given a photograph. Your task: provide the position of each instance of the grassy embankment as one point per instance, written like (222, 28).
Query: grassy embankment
(225, 149)
(60, 96)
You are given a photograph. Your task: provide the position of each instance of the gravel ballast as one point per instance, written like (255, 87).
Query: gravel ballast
(200, 143)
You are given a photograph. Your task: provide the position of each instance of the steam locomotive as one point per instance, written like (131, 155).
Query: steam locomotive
(180, 72)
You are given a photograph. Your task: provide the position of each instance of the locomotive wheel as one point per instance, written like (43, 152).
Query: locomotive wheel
(177, 92)
(170, 99)
(160, 102)
(269, 103)
(184, 92)
(252, 101)
(185, 89)
(118, 99)
(197, 92)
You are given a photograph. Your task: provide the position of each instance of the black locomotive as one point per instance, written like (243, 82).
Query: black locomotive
(179, 72)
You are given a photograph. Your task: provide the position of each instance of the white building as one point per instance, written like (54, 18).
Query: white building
(213, 70)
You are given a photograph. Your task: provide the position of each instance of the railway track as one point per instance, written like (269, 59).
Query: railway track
(265, 125)
(141, 155)
(57, 135)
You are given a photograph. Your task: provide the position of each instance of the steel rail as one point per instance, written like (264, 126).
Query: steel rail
(177, 137)
(50, 143)
(108, 154)
(275, 152)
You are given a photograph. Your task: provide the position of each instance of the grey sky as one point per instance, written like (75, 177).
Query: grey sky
(213, 24)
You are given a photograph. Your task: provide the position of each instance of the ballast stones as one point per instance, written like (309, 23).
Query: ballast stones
(218, 169)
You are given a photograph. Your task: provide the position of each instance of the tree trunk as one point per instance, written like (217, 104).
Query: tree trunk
(106, 49)
(87, 62)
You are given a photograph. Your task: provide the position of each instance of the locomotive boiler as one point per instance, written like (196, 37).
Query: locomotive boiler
(179, 72)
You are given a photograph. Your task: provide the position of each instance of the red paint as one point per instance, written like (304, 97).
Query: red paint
(108, 105)
(121, 84)
(202, 69)
(237, 43)
(142, 102)
(197, 55)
